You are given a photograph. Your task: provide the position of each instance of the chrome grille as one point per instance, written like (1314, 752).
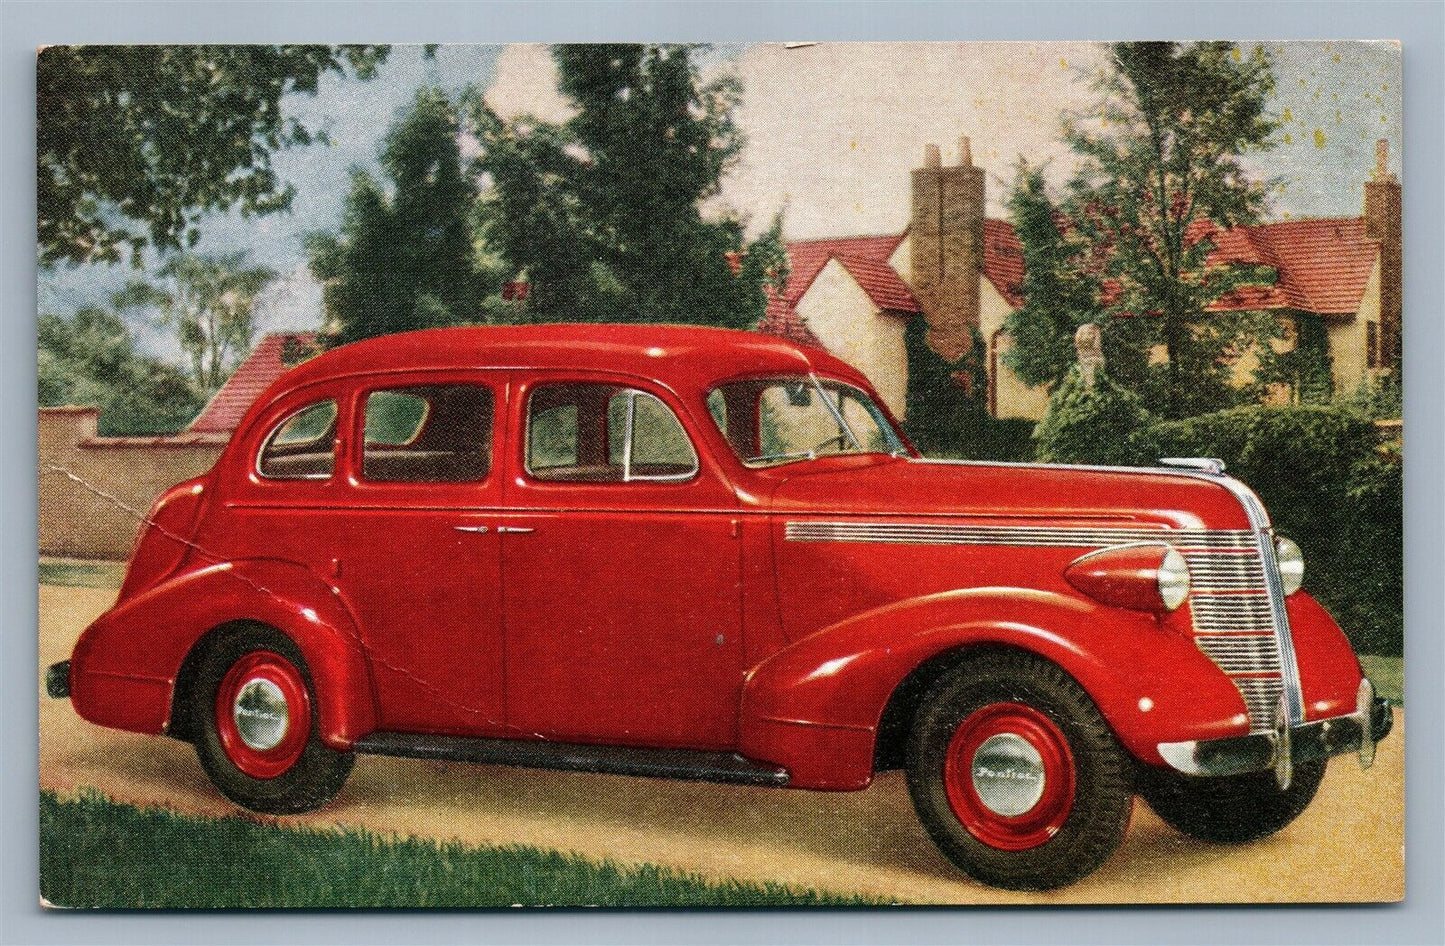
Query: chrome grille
(1233, 621)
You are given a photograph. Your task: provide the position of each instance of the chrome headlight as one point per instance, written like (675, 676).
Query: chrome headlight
(1173, 577)
(1291, 564)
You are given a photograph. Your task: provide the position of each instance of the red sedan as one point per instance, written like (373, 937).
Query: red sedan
(701, 554)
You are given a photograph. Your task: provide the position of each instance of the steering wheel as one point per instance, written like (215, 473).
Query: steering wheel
(841, 440)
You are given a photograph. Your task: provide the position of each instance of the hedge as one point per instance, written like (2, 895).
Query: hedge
(1318, 468)
(1329, 487)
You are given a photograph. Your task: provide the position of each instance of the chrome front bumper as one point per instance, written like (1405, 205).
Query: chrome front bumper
(1288, 746)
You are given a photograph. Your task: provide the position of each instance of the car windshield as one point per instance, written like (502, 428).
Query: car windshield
(781, 420)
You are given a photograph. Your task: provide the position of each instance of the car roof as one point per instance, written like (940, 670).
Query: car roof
(683, 357)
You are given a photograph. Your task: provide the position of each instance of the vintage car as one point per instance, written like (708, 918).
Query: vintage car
(711, 555)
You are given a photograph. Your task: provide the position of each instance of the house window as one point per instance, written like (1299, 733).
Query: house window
(1372, 344)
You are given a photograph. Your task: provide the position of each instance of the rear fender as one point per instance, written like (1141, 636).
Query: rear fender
(125, 666)
(826, 694)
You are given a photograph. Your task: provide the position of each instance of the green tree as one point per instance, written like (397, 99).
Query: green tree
(208, 301)
(405, 257)
(135, 143)
(602, 213)
(90, 359)
(1061, 288)
(1161, 161)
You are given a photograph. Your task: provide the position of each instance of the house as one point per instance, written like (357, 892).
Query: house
(961, 270)
(273, 355)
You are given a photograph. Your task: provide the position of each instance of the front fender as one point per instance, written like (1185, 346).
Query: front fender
(125, 665)
(815, 706)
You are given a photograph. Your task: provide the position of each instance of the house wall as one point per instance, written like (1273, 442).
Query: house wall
(848, 324)
(94, 491)
(1011, 397)
(1348, 339)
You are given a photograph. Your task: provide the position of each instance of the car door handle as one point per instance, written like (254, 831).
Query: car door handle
(472, 528)
(515, 530)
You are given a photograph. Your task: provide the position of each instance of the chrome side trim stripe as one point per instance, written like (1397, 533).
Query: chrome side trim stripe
(923, 533)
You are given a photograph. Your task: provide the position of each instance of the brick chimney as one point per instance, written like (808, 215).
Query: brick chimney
(1382, 222)
(946, 248)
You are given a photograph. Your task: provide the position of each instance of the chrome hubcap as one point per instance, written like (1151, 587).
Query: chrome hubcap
(261, 714)
(1008, 775)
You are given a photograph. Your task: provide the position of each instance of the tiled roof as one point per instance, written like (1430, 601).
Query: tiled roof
(1003, 260)
(254, 375)
(865, 259)
(1322, 265)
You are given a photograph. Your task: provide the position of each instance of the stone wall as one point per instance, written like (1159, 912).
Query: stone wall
(95, 490)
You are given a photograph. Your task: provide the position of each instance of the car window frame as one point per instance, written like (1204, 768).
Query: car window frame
(281, 419)
(363, 386)
(624, 384)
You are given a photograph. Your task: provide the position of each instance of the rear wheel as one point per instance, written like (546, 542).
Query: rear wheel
(255, 722)
(1015, 774)
(1234, 809)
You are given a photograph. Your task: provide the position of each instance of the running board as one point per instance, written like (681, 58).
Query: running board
(689, 765)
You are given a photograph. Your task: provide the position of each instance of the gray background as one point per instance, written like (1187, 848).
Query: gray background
(1420, 25)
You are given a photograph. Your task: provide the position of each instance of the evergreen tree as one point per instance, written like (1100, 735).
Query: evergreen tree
(1161, 166)
(602, 213)
(405, 257)
(1061, 287)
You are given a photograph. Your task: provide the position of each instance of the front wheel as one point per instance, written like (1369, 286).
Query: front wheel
(1015, 774)
(257, 726)
(1232, 809)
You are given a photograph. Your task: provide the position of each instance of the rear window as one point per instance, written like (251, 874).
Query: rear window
(303, 445)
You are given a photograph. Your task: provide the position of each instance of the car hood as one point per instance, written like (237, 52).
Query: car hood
(907, 487)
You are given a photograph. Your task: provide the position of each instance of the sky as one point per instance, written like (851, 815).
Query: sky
(832, 131)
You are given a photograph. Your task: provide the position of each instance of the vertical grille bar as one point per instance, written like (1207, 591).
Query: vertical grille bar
(1234, 622)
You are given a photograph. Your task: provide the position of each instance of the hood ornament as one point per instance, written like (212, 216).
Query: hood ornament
(1210, 465)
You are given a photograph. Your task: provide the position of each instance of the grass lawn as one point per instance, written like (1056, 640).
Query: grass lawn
(97, 853)
(77, 573)
(1388, 676)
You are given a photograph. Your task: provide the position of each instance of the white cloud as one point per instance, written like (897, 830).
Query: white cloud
(834, 129)
(525, 83)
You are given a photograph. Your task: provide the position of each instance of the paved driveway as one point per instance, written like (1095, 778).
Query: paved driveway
(1347, 847)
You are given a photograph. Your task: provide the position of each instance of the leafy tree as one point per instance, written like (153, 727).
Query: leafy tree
(1160, 163)
(405, 257)
(136, 143)
(208, 302)
(602, 212)
(90, 359)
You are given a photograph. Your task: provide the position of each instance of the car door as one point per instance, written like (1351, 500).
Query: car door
(621, 569)
(419, 558)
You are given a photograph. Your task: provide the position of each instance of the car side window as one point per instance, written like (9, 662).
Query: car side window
(600, 433)
(428, 434)
(302, 445)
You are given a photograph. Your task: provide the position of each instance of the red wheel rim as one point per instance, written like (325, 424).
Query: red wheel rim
(996, 759)
(263, 714)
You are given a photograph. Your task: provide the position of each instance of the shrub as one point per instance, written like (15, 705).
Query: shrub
(1326, 486)
(1102, 423)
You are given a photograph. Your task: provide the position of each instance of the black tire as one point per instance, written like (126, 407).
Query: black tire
(1070, 840)
(311, 773)
(1235, 809)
